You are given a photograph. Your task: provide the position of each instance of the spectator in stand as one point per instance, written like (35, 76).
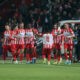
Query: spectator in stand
(60, 10)
(17, 14)
(64, 9)
(76, 32)
(78, 55)
(46, 20)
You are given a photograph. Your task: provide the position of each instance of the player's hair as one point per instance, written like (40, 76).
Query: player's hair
(21, 23)
(66, 23)
(58, 24)
(55, 24)
(7, 25)
(28, 25)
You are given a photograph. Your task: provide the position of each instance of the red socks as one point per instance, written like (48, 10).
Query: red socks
(31, 56)
(49, 56)
(13, 54)
(27, 56)
(21, 57)
(17, 53)
(55, 56)
(34, 53)
(59, 58)
(66, 56)
(14, 58)
(4, 55)
(70, 56)
(44, 56)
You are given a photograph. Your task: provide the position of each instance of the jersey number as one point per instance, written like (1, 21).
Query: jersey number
(47, 38)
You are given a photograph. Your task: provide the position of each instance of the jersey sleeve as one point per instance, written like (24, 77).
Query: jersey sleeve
(36, 31)
(71, 31)
(54, 35)
(62, 37)
(11, 34)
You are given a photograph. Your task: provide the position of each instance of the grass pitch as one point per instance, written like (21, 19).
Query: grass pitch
(39, 71)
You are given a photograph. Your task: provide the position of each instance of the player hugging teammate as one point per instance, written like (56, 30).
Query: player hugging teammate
(20, 39)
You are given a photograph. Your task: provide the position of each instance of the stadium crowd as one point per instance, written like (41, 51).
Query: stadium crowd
(42, 14)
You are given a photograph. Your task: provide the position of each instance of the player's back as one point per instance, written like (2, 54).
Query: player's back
(47, 40)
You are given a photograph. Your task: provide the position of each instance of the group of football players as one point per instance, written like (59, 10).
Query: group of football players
(20, 39)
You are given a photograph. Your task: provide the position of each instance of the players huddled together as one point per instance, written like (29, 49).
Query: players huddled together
(20, 39)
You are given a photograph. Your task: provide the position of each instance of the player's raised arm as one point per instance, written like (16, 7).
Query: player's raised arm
(35, 32)
(54, 31)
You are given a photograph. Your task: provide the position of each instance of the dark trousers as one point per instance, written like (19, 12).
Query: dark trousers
(46, 27)
(78, 51)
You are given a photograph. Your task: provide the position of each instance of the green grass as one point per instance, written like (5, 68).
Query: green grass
(39, 71)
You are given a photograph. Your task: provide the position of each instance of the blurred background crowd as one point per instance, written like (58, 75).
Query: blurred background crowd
(41, 13)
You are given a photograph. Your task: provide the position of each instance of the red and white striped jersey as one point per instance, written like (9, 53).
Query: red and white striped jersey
(68, 32)
(7, 37)
(21, 35)
(14, 40)
(16, 32)
(57, 38)
(47, 40)
(54, 33)
(35, 30)
(29, 32)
